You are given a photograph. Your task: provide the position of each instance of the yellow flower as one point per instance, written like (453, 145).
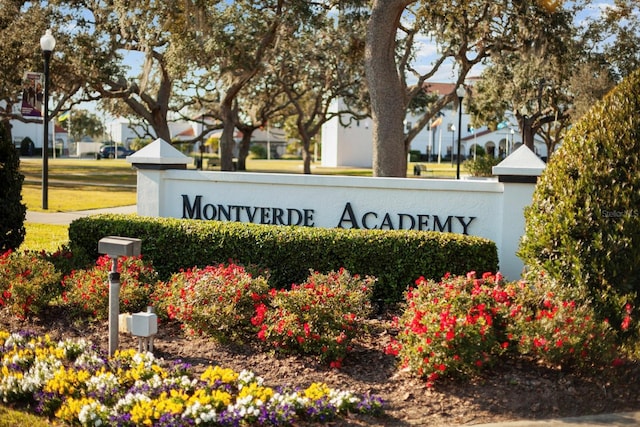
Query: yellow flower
(258, 392)
(66, 381)
(71, 408)
(317, 391)
(216, 373)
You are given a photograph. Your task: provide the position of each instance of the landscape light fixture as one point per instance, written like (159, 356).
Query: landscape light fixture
(47, 44)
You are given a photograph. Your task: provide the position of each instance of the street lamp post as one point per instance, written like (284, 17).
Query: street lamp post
(460, 93)
(47, 43)
(512, 142)
(524, 112)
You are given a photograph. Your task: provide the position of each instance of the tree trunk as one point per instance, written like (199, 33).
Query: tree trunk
(306, 156)
(243, 151)
(227, 143)
(386, 91)
(528, 132)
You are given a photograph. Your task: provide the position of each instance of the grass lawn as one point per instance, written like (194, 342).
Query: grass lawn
(45, 237)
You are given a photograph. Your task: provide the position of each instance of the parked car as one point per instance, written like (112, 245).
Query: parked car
(108, 152)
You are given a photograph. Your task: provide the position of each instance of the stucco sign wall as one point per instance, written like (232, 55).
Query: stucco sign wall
(487, 208)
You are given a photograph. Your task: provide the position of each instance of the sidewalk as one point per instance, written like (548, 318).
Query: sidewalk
(625, 419)
(65, 218)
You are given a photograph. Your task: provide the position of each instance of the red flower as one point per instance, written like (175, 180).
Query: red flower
(617, 362)
(261, 333)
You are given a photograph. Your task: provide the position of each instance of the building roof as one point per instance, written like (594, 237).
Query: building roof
(439, 88)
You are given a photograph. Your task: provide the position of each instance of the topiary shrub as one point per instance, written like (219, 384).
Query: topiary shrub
(583, 227)
(12, 210)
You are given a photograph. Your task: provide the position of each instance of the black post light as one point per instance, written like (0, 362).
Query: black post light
(47, 43)
(524, 112)
(460, 92)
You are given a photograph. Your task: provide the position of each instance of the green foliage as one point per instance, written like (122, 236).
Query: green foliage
(216, 301)
(395, 257)
(414, 155)
(482, 165)
(583, 227)
(86, 292)
(258, 151)
(12, 210)
(27, 147)
(321, 316)
(559, 328)
(140, 143)
(27, 283)
(459, 325)
(81, 123)
(64, 260)
(452, 327)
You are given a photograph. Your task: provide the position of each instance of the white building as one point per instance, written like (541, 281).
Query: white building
(352, 145)
(35, 132)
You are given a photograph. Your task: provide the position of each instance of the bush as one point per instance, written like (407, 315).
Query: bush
(583, 227)
(258, 152)
(27, 147)
(65, 261)
(86, 292)
(319, 317)
(559, 328)
(453, 327)
(462, 324)
(12, 210)
(414, 155)
(395, 257)
(216, 301)
(28, 283)
(482, 165)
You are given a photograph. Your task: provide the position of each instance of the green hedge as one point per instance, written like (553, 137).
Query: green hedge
(583, 226)
(395, 258)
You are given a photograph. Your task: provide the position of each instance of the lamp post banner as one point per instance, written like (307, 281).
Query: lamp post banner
(32, 94)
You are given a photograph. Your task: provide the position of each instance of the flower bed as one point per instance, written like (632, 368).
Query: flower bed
(76, 384)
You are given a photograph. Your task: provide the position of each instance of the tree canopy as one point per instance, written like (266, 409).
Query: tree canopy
(221, 59)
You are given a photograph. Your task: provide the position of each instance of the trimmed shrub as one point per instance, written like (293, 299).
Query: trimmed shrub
(583, 227)
(453, 327)
(458, 326)
(394, 257)
(559, 327)
(12, 211)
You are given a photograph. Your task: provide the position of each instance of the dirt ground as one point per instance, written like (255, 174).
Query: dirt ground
(514, 390)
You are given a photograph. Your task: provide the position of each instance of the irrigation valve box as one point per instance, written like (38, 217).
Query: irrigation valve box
(144, 324)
